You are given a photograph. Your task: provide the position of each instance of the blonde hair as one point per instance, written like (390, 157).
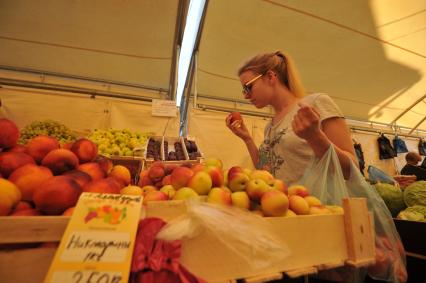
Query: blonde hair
(281, 64)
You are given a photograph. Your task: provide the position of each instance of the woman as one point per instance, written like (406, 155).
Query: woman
(302, 125)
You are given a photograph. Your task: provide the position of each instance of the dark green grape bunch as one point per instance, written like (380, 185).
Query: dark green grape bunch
(48, 128)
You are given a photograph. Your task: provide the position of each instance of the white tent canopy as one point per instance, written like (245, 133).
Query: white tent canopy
(368, 55)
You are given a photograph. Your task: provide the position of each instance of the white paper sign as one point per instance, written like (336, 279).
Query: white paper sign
(164, 108)
(86, 276)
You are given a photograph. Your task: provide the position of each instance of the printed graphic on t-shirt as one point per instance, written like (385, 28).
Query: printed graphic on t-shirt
(268, 159)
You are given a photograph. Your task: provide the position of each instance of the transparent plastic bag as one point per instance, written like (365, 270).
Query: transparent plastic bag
(324, 178)
(246, 234)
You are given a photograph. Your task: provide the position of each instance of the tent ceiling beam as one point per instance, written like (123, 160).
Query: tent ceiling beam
(51, 87)
(417, 125)
(73, 77)
(408, 109)
(377, 131)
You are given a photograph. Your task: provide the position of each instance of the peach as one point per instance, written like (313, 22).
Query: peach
(121, 173)
(233, 170)
(10, 161)
(108, 186)
(235, 116)
(168, 168)
(9, 133)
(197, 167)
(289, 213)
(85, 149)
(181, 176)
(6, 204)
(40, 146)
(147, 189)
(28, 178)
(22, 205)
(237, 181)
(167, 180)
(57, 194)
(335, 209)
(60, 160)
(18, 148)
(105, 163)
(319, 209)
(154, 196)
(274, 203)
(82, 178)
(10, 190)
(27, 212)
(67, 145)
(156, 173)
(263, 175)
(93, 169)
(219, 196)
(69, 211)
(298, 204)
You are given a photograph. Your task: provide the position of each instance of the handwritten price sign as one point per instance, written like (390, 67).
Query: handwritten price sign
(98, 243)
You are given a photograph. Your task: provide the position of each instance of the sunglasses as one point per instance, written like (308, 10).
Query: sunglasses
(248, 85)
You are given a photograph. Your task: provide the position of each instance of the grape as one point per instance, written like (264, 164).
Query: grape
(49, 128)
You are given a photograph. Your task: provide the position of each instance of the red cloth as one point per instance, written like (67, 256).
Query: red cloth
(156, 261)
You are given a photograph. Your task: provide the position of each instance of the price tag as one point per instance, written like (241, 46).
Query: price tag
(98, 242)
(164, 108)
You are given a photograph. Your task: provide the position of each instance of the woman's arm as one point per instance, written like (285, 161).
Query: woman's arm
(239, 129)
(306, 125)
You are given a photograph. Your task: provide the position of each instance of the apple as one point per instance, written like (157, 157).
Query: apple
(298, 190)
(262, 174)
(214, 162)
(181, 176)
(274, 203)
(197, 167)
(238, 181)
(279, 185)
(241, 200)
(156, 173)
(313, 201)
(256, 188)
(298, 204)
(201, 182)
(9, 134)
(216, 175)
(121, 173)
(147, 189)
(247, 171)
(219, 196)
(168, 190)
(167, 180)
(235, 116)
(185, 193)
(233, 170)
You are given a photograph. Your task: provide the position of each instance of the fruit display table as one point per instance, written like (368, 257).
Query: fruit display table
(316, 242)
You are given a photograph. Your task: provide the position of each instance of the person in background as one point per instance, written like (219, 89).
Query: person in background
(411, 168)
(302, 125)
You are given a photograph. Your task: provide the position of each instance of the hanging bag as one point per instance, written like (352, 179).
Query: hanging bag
(422, 147)
(360, 156)
(399, 145)
(386, 151)
(324, 178)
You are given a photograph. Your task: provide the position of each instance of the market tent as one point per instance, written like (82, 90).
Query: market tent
(369, 56)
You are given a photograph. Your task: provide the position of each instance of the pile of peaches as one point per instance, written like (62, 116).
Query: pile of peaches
(254, 190)
(43, 177)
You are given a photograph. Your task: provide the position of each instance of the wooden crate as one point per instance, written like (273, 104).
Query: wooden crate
(134, 164)
(316, 242)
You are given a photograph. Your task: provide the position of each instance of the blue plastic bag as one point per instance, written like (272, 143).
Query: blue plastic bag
(376, 175)
(324, 178)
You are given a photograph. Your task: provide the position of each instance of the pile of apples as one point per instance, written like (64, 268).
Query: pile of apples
(255, 190)
(43, 177)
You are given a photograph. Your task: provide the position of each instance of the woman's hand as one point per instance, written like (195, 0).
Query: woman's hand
(306, 123)
(238, 128)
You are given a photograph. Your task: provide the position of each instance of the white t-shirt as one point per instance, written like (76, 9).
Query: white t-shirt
(283, 153)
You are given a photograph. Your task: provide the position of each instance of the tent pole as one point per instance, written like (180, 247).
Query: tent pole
(195, 79)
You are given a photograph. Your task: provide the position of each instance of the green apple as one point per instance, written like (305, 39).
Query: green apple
(168, 190)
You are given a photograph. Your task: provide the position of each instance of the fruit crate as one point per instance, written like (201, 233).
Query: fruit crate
(134, 164)
(317, 242)
(172, 150)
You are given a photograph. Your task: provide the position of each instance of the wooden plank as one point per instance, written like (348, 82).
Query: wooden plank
(23, 266)
(359, 234)
(301, 271)
(264, 278)
(330, 265)
(32, 229)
